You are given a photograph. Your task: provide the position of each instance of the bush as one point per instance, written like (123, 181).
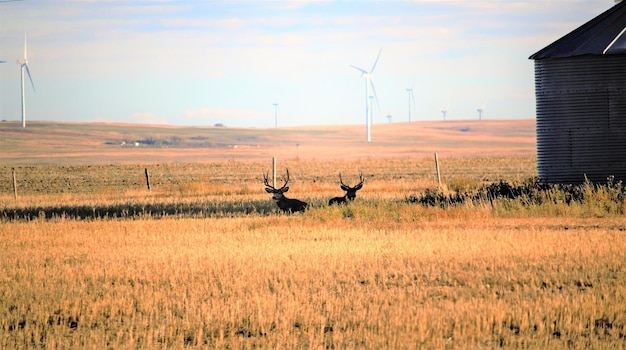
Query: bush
(607, 198)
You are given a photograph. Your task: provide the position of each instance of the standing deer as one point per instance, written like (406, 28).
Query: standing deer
(350, 191)
(285, 204)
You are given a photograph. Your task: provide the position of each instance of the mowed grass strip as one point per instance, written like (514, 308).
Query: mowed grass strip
(428, 277)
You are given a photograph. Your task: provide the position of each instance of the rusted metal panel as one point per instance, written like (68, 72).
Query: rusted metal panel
(581, 118)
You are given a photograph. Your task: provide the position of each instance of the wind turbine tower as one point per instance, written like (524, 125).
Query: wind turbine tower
(444, 111)
(481, 110)
(275, 114)
(23, 62)
(371, 109)
(368, 82)
(411, 99)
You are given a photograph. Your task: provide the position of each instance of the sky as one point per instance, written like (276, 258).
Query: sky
(202, 63)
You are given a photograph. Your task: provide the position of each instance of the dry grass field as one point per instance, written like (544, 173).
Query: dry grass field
(44, 143)
(322, 280)
(219, 267)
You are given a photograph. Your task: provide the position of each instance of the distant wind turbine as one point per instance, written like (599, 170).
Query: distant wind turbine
(481, 110)
(411, 99)
(23, 62)
(369, 82)
(275, 114)
(444, 110)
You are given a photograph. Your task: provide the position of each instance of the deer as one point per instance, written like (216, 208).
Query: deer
(350, 191)
(287, 205)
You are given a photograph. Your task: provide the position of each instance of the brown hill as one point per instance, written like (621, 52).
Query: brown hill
(99, 143)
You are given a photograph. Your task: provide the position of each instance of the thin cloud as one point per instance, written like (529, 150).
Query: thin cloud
(233, 59)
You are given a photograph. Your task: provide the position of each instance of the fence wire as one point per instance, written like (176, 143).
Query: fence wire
(34, 180)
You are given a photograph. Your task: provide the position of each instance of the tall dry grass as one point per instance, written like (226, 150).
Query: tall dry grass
(332, 278)
(379, 273)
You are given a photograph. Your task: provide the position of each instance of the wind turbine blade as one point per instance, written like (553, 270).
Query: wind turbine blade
(25, 57)
(412, 86)
(375, 62)
(359, 69)
(29, 77)
(413, 100)
(375, 95)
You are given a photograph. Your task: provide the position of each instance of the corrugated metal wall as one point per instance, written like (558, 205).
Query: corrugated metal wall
(581, 118)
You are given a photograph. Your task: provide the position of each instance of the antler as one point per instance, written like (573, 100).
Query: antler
(287, 180)
(267, 184)
(341, 180)
(360, 180)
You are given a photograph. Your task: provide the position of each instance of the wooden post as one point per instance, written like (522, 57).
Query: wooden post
(14, 183)
(274, 172)
(147, 179)
(437, 168)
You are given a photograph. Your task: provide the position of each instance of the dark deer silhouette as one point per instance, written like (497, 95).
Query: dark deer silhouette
(285, 204)
(350, 191)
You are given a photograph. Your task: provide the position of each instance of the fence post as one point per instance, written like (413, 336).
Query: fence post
(14, 183)
(437, 168)
(147, 179)
(274, 172)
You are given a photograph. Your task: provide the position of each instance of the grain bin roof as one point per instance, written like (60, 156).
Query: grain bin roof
(603, 35)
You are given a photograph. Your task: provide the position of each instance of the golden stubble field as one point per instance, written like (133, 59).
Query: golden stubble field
(424, 278)
(381, 272)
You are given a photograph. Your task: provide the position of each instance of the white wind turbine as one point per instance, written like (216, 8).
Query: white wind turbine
(275, 104)
(444, 110)
(411, 99)
(23, 62)
(369, 82)
(481, 110)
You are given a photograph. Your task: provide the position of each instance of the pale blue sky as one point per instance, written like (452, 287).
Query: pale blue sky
(207, 62)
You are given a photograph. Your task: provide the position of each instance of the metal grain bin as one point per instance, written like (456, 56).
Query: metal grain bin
(580, 88)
